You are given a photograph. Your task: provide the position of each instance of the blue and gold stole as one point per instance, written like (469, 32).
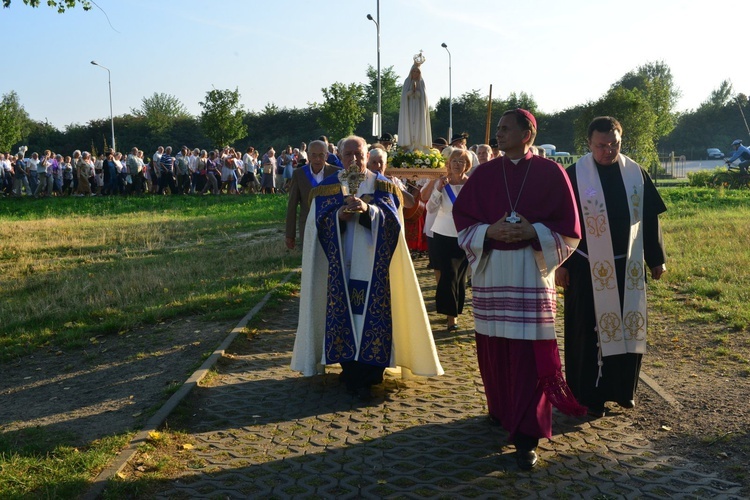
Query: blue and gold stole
(344, 298)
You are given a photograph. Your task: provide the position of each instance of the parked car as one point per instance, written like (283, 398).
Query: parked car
(714, 153)
(548, 148)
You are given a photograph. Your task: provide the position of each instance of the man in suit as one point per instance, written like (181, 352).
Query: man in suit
(303, 181)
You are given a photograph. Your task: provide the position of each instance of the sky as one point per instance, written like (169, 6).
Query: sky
(563, 53)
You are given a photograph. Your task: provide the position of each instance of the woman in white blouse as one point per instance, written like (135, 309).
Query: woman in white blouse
(451, 259)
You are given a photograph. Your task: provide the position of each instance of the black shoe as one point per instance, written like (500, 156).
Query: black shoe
(526, 459)
(596, 411)
(363, 394)
(627, 404)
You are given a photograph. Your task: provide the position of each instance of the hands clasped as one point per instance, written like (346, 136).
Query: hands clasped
(511, 232)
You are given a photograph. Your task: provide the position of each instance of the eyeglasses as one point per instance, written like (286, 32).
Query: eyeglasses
(608, 147)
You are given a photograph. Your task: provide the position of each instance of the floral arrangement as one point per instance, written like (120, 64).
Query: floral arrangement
(401, 158)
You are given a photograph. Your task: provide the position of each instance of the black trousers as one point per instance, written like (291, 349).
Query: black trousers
(452, 262)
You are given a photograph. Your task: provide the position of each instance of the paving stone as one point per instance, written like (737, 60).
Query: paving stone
(262, 431)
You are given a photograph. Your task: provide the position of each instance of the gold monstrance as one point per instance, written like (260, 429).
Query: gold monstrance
(350, 179)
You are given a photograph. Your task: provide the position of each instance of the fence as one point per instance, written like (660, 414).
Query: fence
(673, 166)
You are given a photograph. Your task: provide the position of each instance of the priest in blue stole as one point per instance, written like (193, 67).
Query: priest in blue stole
(360, 302)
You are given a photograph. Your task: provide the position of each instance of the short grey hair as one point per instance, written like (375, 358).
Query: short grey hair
(380, 153)
(356, 138)
(319, 143)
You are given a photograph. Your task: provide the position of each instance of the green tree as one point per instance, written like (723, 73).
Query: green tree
(60, 5)
(341, 110)
(281, 127)
(222, 117)
(556, 128)
(390, 99)
(521, 100)
(639, 121)
(655, 82)
(718, 97)
(14, 121)
(716, 123)
(160, 111)
(470, 114)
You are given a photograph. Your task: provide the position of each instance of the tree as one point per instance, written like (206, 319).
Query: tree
(222, 115)
(341, 110)
(390, 97)
(716, 123)
(60, 5)
(470, 113)
(719, 97)
(14, 121)
(556, 129)
(160, 111)
(656, 84)
(281, 127)
(639, 121)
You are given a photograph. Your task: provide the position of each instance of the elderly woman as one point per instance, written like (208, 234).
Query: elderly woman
(268, 163)
(450, 258)
(376, 162)
(85, 167)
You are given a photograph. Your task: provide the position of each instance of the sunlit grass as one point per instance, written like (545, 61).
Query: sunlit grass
(708, 245)
(71, 268)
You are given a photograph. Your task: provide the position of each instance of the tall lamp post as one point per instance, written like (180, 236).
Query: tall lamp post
(379, 123)
(450, 95)
(111, 115)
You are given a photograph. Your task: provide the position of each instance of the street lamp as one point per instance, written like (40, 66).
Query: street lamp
(450, 96)
(111, 116)
(379, 123)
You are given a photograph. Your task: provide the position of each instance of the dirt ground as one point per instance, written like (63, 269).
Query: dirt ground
(117, 382)
(711, 422)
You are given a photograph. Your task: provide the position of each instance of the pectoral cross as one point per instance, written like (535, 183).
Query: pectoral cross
(513, 218)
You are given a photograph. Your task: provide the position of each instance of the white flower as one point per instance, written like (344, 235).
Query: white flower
(427, 162)
(418, 161)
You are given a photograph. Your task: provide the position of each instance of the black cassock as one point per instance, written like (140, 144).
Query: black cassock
(619, 378)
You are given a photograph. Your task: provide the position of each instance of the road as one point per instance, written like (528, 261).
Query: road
(681, 171)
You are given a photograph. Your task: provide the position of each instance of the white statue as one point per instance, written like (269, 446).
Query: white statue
(414, 131)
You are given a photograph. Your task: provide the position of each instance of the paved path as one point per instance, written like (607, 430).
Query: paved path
(261, 431)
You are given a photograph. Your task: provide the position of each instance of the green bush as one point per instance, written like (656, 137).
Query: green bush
(702, 178)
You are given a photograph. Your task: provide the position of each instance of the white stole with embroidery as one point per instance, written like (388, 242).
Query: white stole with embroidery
(620, 331)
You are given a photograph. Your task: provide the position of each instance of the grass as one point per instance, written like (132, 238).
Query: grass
(708, 248)
(75, 268)
(38, 464)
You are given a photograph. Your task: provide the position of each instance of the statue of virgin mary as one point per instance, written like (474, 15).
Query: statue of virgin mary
(414, 131)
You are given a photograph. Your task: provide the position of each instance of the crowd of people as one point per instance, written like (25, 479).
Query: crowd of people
(187, 171)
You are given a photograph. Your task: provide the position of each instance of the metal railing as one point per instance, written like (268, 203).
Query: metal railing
(673, 165)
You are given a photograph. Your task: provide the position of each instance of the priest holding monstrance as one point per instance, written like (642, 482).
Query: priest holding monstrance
(360, 303)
